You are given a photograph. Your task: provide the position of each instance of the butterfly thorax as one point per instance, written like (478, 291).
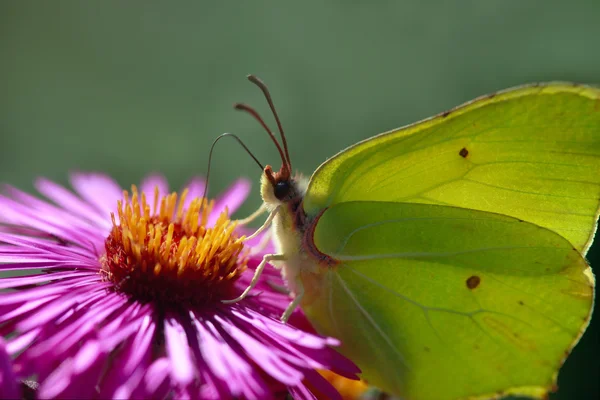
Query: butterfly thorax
(292, 230)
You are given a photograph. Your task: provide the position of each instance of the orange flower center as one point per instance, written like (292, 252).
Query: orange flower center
(170, 256)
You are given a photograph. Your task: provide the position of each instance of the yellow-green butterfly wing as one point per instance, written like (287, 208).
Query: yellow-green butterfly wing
(532, 153)
(460, 243)
(436, 302)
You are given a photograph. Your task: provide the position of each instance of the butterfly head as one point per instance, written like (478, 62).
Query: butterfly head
(280, 187)
(276, 187)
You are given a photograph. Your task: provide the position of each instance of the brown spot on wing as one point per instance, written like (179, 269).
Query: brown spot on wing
(473, 282)
(446, 113)
(463, 152)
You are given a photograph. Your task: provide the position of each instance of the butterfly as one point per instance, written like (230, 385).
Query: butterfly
(448, 256)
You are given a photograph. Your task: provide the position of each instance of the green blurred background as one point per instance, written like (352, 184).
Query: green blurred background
(130, 88)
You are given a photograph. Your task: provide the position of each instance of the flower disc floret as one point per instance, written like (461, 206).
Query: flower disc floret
(171, 256)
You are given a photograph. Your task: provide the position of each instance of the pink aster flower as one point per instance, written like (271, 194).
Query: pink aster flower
(129, 306)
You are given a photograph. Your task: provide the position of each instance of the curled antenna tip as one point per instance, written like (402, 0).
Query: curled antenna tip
(258, 82)
(285, 157)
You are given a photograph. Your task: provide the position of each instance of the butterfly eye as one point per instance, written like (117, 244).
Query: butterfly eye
(282, 189)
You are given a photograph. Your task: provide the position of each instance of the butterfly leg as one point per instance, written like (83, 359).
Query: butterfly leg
(265, 225)
(295, 303)
(255, 278)
(262, 244)
(278, 288)
(262, 209)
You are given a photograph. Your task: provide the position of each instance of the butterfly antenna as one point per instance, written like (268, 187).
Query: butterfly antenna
(258, 82)
(254, 113)
(212, 147)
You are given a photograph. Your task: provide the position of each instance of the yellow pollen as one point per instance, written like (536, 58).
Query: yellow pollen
(349, 389)
(165, 252)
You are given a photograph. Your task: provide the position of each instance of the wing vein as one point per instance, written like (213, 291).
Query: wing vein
(373, 322)
(413, 255)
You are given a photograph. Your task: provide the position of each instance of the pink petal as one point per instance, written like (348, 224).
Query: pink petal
(57, 382)
(86, 356)
(156, 377)
(82, 324)
(231, 200)
(321, 385)
(20, 342)
(226, 363)
(49, 221)
(195, 189)
(128, 385)
(178, 352)
(36, 246)
(8, 380)
(60, 305)
(67, 200)
(301, 392)
(99, 190)
(140, 346)
(38, 292)
(24, 309)
(262, 355)
(130, 362)
(84, 369)
(35, 279)
(148, 186)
